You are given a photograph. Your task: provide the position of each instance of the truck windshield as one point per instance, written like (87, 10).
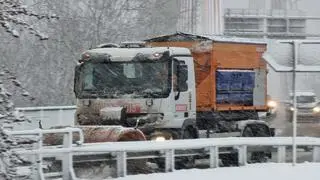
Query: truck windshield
(305, 99)
(141, 79)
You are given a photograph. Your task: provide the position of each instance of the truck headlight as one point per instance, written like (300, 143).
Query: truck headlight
(316, 109)
(272, 104)
(159, 138)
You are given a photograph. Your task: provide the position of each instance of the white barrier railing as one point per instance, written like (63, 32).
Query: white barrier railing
(121, 149)
(48, 115)
(67, 143)
(39, 108)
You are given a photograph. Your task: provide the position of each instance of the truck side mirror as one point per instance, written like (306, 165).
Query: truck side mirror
(182, 73)
(182, 77)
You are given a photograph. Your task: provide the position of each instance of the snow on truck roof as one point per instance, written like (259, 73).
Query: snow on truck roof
(126, 54)
(181, 36)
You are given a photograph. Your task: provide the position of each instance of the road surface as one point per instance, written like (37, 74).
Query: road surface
(285, 128)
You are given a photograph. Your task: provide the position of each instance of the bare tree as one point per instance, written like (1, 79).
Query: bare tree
(11, 162)
(13, 17)
(46, 67)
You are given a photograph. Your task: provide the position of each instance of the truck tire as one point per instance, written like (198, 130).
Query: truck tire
(258, 157)
(189, 161)
(180, 162)
(229, 160)
(257, 130)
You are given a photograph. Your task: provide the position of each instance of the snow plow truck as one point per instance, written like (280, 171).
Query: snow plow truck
(179, 86)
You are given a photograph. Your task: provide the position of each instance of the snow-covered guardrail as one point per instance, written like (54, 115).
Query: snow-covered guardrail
(38, 158)
(121, 149)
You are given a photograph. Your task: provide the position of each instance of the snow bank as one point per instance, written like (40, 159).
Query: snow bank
(270, 171)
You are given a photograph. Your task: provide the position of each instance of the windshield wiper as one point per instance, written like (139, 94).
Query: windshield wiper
(108, 93)
(152, 94)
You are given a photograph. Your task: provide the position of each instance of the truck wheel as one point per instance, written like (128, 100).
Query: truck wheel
(257, 130)
(229, 160)
(258, 157)
(184, 162)
(188, 161)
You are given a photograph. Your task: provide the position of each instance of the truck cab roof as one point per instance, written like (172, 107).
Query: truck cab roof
(126, 54)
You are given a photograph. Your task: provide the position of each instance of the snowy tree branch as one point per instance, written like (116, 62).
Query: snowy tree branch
(11, 13)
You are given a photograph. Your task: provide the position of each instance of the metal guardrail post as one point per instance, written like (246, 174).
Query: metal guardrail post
(169, 155)
(214, 156)
(281, 158)
(67, 157)
(41, 114)
(121, 164)
(316, 154)
(38, 158)
(242, 155)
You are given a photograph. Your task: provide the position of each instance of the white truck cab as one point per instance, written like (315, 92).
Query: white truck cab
(147, 88)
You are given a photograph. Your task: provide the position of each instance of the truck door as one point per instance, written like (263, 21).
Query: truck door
(182, 95)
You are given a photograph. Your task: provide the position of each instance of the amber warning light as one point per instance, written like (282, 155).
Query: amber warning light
(84, 57)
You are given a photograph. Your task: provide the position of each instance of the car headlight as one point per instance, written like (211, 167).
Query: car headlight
(272, 104)
(316, 109)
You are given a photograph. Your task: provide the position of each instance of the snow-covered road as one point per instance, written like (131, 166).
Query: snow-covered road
(270, 171)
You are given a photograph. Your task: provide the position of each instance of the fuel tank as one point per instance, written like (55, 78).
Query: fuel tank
(97, 134)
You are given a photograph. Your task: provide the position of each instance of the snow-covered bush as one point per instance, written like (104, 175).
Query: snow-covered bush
(13, 16)
(11, 164)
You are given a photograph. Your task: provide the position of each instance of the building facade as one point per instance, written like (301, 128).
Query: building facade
(271, 19)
